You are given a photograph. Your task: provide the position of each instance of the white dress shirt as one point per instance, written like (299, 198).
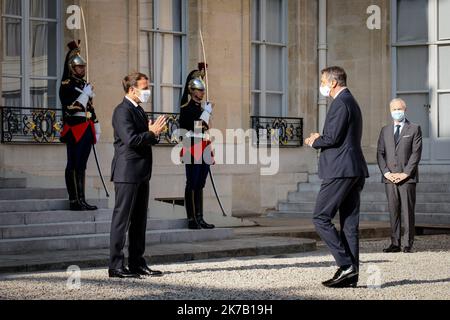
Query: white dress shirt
(132, 101)
(401, 124)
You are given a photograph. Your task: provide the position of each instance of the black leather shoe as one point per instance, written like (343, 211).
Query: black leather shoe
(336, 275)
(343, 278)
(192, 224)
(76, 206)
(407, 249)
(202, 223)
(122, 273)
(146, 271)
(81, 182)
(87, 206)
(198, 200)
(392, 248)
(351, 282)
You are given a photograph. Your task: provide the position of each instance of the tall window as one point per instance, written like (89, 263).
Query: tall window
(421, 60)
(411, 49)
(269, 57)
(163, 50)
(30, 53)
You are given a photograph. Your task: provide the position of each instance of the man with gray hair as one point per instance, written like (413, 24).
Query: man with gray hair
(343, 169)
(399, 154)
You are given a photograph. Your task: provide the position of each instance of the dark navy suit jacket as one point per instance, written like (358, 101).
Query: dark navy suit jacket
(340, 144)
(132, 162)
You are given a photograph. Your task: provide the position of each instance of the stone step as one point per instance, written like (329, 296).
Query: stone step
(434, 177)
(366, 207)
(98, 241)
(420, 217)
(373, 197)
(32, 193)
(78, 228)
(379, 187)
(8, 183)
(55, 216)
(290, 214)
(43, 204)
(59, 216)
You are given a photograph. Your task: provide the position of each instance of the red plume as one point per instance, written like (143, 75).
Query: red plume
(202, 66)
(74, 45)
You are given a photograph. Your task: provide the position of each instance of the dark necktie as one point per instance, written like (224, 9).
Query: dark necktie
(142, 113)
(397, 134)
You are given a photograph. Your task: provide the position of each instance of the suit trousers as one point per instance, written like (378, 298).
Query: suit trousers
(402, 202)
(343, 195)
(130, 214)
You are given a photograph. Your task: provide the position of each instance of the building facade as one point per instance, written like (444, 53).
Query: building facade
(264, 60)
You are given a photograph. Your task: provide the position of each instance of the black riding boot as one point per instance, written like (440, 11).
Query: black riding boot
(81, 194)
(199, 210)
(71, 184)
(190, 209)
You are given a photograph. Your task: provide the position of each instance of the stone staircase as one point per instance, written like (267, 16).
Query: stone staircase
(432, 207)
(38, 220)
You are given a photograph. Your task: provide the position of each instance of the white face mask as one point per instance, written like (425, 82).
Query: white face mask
(325, 91)
(145, 95)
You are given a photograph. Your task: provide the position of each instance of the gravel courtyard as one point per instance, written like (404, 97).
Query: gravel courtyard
(424, 274)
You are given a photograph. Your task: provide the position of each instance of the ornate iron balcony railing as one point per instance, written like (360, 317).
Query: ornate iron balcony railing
(30, 125)
(43, 126)
(168, 136)
(282, 131)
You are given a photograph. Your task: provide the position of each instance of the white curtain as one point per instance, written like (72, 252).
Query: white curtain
(39, 29)
(12, 28)
(11, 37)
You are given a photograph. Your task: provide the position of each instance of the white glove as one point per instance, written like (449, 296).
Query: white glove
(208, 107)
(85, 95)
(98, 131)
(205, 117)
(83, 99)
(88, 90)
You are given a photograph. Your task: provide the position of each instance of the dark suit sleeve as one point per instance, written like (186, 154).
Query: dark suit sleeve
(416, 154)
(381, 154)
(125, 128)
(335, 128)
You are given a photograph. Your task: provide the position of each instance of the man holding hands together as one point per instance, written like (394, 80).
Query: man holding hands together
(399, 154)
(131, 171)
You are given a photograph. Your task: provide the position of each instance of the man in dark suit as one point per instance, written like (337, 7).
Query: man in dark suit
(131, 171)
(343, 169)
(399, 154)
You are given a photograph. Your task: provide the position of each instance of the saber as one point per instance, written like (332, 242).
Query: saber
(86, 41)
(207, 99)
(100, 171)
(87, 79)
(206, 68)
(216, 193)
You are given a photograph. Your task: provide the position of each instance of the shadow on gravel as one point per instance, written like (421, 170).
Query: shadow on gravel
(153, 290)
(324, 264)
(413, 282)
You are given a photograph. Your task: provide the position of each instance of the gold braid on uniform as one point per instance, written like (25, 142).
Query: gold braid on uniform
(75, 107)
